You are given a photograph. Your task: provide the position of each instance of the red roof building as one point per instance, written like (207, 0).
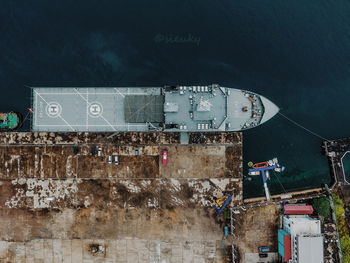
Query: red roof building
(284, 245)
(287, 248)
(298, 209)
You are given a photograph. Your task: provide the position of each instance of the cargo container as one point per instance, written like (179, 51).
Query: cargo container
(284, 245)
(298, 209)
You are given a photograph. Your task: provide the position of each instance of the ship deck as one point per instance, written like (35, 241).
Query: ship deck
(85, 109)
(181, 109)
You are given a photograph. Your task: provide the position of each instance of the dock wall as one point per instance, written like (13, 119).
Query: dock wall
(285, 196)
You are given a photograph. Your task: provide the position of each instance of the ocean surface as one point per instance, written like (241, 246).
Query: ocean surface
(296, 53)
(346, 164)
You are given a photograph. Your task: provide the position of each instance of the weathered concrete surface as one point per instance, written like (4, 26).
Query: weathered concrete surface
(256, 227)
(290, 196)
(60, 202)
(98, 223)
(65, 176)
(120, 138)
(67, 161)
(77, 162)
(108, 251)
(109, 193)
(203, 162)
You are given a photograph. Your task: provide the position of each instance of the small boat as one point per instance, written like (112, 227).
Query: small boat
(254, 173)
(10, 120)
(261, 165)
(263, 169)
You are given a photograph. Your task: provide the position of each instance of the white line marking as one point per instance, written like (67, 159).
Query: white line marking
(107, 122)
(66, 122)
(58, 115)
(36, 108)
(95, 125)
(87, 113)
(87, 104)
(119, 92)
(81, 94)
(55, 93)
(77, 92)
(100, 115)
(96, 88)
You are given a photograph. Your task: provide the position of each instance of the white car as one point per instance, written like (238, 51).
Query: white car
(116, 160)
(109, 160)
(99, 151)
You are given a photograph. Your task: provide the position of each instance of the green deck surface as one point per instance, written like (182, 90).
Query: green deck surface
(9, 121)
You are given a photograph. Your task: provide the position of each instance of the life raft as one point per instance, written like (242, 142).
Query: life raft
(261, 165)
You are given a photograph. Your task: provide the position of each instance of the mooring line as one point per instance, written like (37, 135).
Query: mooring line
(25, 118)
(281, 183)
(301, 126)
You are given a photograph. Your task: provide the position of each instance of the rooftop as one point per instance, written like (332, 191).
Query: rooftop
(296, 225)
(310, 248)
(298, 209)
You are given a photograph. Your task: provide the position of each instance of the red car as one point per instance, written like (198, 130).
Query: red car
(165, 157)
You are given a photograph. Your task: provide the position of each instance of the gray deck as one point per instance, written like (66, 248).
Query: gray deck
(215, 111)
(84, 109)
(170, 109)
(144, 108)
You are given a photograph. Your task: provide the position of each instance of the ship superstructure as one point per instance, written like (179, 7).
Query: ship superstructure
(170, 109)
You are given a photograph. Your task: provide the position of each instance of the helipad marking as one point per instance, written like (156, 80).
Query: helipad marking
(53, 109)
(59, 115)
(95, 109)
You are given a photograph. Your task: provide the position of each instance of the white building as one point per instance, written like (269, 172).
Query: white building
(306, 238)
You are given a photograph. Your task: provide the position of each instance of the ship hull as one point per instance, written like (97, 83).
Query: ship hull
(208, 108)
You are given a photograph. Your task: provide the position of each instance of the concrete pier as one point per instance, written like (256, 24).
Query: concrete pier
(335, 151)
(62, 201)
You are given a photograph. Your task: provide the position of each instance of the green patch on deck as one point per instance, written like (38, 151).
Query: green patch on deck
(144, 108)
(9, 120)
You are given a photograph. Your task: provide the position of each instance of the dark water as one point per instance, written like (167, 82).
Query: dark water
(297, 53)
(346, 163)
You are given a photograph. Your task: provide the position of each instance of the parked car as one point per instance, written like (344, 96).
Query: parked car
(263, 255)
(116, 159)
(264, 249)
(165, 157)
(109, 159)
(99, 151)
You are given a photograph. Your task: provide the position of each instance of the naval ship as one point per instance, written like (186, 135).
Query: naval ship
(210, 108)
